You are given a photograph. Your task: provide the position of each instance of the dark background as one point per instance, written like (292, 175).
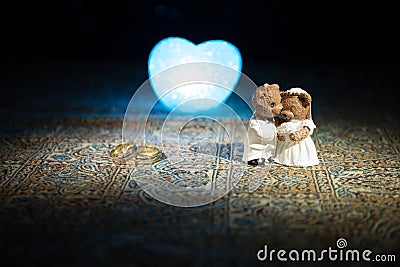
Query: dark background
(341, 32)
(77, 57)
(89, 56)
(285, 31)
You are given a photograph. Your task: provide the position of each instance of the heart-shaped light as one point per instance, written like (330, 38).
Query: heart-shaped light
(175, 51)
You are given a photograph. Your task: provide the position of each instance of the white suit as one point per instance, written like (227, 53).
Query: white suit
(261, 142)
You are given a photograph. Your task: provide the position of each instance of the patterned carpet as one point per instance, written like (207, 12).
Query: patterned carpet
(63, 202)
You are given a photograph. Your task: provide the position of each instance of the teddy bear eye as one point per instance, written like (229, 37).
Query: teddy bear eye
(272, 105)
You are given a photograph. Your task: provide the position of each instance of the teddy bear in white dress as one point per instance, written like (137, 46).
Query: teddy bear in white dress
(294, 129)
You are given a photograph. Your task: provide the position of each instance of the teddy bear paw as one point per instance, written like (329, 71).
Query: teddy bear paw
(292, 137)
(299, 135)
(281, 138)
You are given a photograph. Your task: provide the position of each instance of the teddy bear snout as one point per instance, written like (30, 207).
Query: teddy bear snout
(277, 110)
(287, 115)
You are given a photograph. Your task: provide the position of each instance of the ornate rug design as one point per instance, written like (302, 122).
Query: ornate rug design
(57, 179)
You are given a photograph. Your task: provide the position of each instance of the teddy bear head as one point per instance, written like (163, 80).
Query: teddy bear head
(296, 105)
(267, 101)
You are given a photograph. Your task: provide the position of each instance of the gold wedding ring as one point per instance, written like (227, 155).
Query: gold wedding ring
(123, 152)
(126, 151)
(148, 152)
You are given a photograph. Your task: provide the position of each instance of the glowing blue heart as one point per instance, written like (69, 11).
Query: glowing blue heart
(176, 51)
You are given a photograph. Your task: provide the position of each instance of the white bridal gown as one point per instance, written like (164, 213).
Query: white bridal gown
(296, 153)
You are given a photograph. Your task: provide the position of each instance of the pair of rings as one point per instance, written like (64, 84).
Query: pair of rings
(123, 152)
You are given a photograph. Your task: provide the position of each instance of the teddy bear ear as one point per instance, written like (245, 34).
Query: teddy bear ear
(305, 99)
(274, 86)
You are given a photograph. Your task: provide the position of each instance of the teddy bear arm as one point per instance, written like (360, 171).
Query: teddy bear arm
(300, 135)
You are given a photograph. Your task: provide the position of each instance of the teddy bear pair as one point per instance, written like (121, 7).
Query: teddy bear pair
(280, 128)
